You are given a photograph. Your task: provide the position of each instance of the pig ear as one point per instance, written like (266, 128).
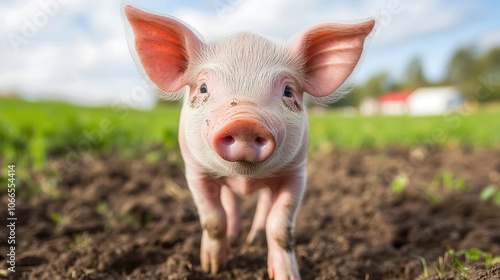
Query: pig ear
(165, 48)
(331, 52)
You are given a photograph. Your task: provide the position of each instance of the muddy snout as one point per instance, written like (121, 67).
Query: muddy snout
(244, 140)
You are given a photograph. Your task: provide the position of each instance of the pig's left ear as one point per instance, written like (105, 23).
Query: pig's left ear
(164, 47)
(331, 52)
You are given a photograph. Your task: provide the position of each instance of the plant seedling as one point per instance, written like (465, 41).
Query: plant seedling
(399, 184)
(491, 192)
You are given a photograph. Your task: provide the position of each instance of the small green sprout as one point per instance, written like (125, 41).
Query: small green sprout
(399, 184)
(113, 219)
(80, 241)
(450, 182)
(432, 196)
(60, 220)
(424, 265)
(491, 192)
(452, 262)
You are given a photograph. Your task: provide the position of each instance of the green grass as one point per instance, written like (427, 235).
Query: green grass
(481, 129)
(32, 132)
(454, 263)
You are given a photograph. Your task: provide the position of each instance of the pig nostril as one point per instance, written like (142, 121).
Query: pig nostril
(261, 141)
(243, 140)
(228, 140)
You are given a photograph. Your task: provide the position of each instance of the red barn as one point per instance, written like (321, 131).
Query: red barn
(394, 103)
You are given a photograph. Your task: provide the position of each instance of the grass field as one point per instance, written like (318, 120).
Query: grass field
(30, 132)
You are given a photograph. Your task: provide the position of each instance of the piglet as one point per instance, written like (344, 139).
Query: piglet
(243, 124)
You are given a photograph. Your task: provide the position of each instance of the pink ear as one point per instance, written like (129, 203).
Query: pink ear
(165, 48)
(331, 52)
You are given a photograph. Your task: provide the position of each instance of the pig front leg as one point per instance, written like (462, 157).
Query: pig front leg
(280, 224)
(231, 204)
(257, 232)
(214, 243)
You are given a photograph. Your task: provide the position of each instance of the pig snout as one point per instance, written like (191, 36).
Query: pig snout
(244, 140)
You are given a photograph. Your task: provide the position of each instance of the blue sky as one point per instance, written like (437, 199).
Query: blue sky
(76, 50)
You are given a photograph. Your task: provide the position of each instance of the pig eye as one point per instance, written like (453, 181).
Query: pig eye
(288, 92)
(203, 88)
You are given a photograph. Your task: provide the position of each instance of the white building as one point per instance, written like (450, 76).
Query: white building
(423, 101)
(435, 101)
(369, 106)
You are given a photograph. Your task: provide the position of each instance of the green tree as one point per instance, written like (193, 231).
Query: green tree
(414, 76)
(486, 80)
(462, 66)
(376, 85)
(476, 75)
(373, 87)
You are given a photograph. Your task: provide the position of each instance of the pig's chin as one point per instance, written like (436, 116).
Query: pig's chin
(245, 168)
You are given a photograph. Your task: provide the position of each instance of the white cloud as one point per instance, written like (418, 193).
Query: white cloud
(79, 55)
(279, 18)
(399, 19)
(419, 18)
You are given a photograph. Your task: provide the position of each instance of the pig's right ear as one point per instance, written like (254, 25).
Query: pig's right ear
(330, 53)
(165, 48)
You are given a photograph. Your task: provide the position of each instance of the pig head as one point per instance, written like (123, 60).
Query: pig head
(243, 123)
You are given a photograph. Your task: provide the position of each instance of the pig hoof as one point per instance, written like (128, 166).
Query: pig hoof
(214, 253)
(282, 265)
(257, 238)
(277, 275)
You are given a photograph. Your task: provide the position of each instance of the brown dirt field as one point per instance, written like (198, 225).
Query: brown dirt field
(116, 218)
